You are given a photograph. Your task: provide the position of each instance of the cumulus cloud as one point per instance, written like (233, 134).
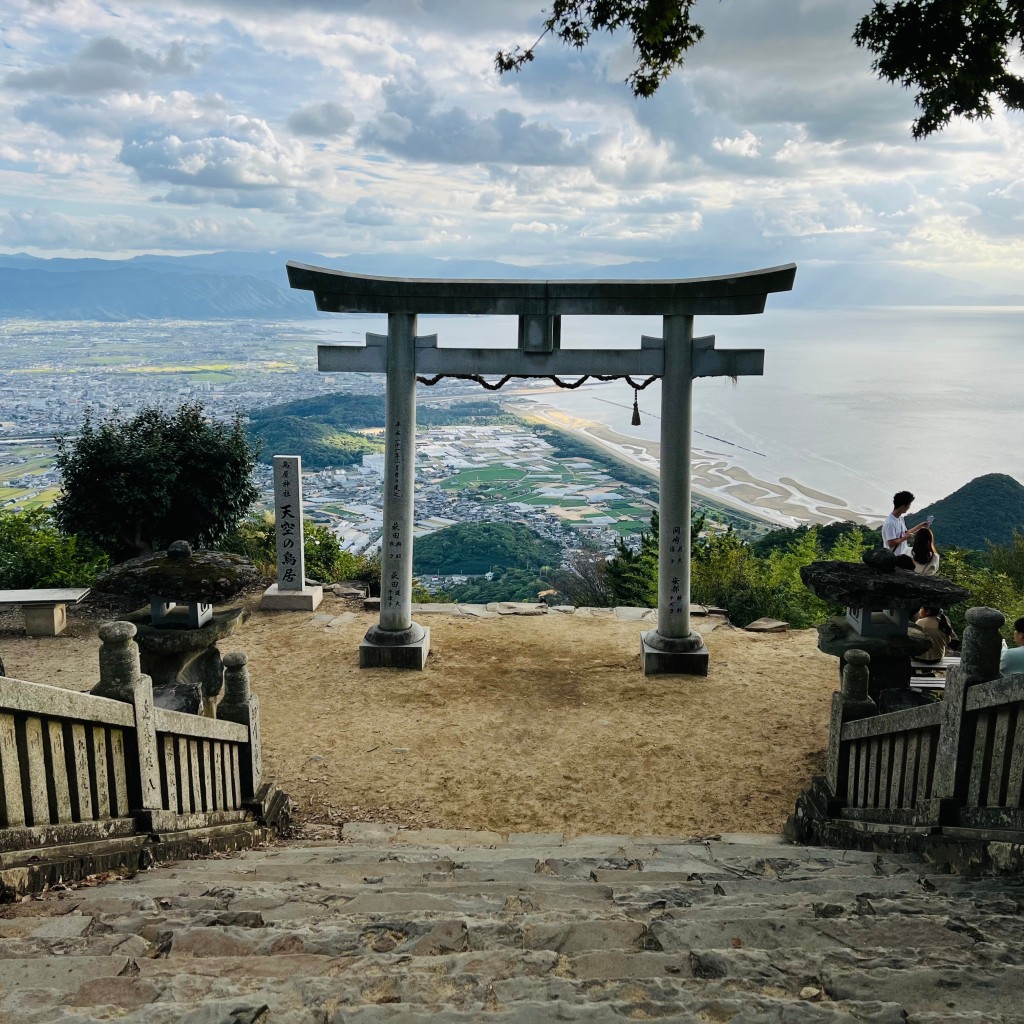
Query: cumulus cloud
(321, 120)
(244, 154)
(414, 126)
(104, 65)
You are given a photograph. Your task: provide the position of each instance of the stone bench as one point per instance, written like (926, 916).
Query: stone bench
(919, 681)
(45, 610)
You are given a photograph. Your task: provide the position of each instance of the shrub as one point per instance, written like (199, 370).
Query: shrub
(34, 553)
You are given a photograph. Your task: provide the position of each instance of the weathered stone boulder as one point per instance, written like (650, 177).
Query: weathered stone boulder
(181, 574)
(861, 586)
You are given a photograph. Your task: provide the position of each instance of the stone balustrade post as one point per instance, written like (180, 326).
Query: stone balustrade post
(121, 679)
(981, 646)
(119, 661)
(979, 663)
(241, 705)
(849, 704)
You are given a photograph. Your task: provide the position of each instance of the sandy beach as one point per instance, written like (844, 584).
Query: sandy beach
(783, 502)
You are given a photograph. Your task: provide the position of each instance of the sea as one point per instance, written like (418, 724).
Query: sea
(856, 403)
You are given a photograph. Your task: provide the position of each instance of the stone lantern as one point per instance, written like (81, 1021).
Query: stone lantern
(179, 629)
(879, 599)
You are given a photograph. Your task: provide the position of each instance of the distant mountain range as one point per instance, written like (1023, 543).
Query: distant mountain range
(987, 509)
(254, 285)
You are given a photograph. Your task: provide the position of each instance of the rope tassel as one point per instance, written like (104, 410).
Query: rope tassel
(636, 408)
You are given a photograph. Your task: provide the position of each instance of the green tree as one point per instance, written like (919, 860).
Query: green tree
(326, 560)
(957, 54)
(135, 485)
(34, 553)
(633, 574)
(1009, 559)
(988, 587)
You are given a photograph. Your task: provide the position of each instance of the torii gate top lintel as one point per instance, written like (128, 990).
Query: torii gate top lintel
(338, 291)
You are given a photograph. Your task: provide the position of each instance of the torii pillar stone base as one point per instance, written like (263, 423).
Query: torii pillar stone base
(382, 648)
(662, 657)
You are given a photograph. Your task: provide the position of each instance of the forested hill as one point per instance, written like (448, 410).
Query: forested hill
(475, 548)
(986, 510)
(325, 430)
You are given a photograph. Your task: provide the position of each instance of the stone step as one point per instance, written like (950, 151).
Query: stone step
(528, 928)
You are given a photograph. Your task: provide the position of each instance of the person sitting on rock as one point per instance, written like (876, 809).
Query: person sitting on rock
(935, 624)
(894, 530)
(923, 553)
(1011, 661)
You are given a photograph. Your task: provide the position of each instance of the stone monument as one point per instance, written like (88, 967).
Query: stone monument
(879, 599)
(676, 357)
(290, 592)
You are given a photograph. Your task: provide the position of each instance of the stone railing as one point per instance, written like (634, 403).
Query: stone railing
(954, 768)
(100, 780)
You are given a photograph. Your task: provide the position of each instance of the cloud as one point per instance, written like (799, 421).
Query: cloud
(104, 65)
(244, 154)
(413, 127)
(321, 120)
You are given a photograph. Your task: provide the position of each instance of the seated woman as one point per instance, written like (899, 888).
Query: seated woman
(935, 624)
(926, 558)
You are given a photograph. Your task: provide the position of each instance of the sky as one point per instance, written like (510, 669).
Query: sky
(380, 126)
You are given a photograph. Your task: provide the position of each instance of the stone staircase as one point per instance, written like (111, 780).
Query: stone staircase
(466, 926)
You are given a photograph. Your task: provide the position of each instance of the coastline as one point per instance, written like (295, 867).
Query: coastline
(785, 502)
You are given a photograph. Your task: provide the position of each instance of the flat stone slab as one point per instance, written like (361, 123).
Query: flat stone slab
(767, 625)
(67, 595)
(343, 619)
(631, 614)
(477, 611)
(518, 608)
(367, 831)
(448, 837)
(436, 609)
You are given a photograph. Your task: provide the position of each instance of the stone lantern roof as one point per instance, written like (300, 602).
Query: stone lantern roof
(864, 586)
(182, 575)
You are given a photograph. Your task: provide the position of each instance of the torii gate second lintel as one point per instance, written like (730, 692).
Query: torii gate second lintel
(677, 357)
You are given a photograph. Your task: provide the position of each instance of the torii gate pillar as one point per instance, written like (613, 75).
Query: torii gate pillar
(672, 648)
(396, 641)
(678, 357)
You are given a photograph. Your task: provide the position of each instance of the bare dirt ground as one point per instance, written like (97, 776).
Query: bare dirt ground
(539, 723)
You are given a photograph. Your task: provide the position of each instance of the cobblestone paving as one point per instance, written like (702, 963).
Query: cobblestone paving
(466, 926)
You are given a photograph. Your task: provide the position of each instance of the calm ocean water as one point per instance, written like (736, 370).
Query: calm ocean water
(857, 403)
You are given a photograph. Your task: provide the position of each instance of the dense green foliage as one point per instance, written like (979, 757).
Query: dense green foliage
(473, 549)
(134, 485)
(326, 562)
(986, 510)
(661, 33)
(958, 54)
(505, 585)
(828, 535)
(324, 430)
(763, 578)
(318, 443)
(632, 574)
(34, 553)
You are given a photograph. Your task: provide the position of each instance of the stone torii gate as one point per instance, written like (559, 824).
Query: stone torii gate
(677, 357)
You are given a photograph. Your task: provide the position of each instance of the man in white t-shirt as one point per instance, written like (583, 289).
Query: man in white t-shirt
(894, 530)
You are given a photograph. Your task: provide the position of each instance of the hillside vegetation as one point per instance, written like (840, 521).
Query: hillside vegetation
(324, 430)
(987, 510)
(473, 549)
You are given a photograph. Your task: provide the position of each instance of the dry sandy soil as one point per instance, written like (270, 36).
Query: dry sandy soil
(539, 723)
